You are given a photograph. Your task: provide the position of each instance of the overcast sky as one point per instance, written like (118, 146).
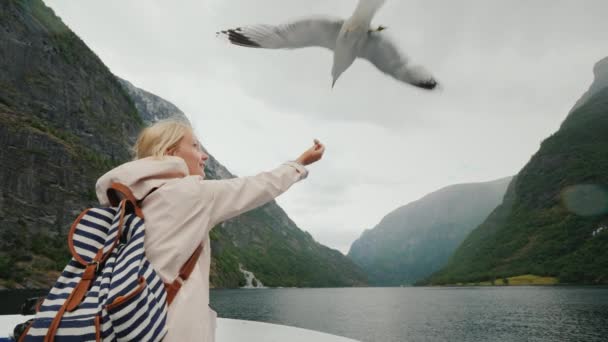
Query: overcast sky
(510, 72)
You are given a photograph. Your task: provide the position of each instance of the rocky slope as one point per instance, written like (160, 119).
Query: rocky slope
(553, 219)
(64, 121)
(417, 239)
(265, 241)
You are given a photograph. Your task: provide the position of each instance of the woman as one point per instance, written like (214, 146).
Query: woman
(185, 206)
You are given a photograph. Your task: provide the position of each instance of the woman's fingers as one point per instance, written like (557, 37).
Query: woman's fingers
(319, 150)
(313, 154)
(318, 145)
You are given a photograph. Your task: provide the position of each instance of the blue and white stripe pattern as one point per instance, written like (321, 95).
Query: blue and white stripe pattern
(127, 298)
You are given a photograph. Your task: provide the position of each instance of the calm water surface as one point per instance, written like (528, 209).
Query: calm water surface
(418, 313)
(429, 314)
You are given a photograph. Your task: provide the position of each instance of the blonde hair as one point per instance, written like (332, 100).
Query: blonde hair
(162, 136)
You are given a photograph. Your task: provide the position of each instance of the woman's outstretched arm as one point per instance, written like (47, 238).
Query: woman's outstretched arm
(232, 197)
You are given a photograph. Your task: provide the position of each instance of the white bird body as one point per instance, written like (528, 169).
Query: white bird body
(349, 39)
(347, 45)
(364, 13)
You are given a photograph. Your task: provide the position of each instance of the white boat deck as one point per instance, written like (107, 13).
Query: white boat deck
(228, 330)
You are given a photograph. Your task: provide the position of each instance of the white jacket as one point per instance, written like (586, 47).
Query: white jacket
(179, 216)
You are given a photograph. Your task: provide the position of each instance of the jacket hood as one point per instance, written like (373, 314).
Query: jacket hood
(141, 176)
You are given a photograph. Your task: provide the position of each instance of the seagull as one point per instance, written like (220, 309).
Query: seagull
(348, 39)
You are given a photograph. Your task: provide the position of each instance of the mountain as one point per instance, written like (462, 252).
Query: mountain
(554, 217)
(415, 240)
(150, 107)
(65, 119)
(600, 81)
(63, 122)
(265, 240)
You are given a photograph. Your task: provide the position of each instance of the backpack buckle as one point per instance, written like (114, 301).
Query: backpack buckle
(96, 263)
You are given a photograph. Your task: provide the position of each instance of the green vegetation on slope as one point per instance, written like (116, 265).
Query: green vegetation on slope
(64, 121)
(417, 239)
(278, 253)
(551, 221)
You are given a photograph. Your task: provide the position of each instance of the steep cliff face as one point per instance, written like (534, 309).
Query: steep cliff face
(150, 107)
(554, 215)
(417, 239)
(63, 121)
(265, 241)
(600, 81)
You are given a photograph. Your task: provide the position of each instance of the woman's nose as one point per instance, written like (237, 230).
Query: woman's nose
(204, 156)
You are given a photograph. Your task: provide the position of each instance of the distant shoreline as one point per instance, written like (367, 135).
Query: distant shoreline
(520, 280)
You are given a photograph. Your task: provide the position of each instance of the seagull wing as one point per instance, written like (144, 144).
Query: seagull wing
(366, 9)
(314, 31)
(383, 53)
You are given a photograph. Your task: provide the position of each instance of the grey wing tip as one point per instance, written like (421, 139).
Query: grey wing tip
(236, 36)
(428, 84)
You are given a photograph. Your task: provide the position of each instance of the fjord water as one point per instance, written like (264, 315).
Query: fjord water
(429, 313)
(552, 313)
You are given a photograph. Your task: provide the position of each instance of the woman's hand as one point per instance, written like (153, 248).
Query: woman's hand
(313, 154)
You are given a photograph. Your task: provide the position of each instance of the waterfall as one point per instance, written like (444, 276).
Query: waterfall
(252, 282)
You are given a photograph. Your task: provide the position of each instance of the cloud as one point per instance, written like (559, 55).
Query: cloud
(510, 73)
(484, 53)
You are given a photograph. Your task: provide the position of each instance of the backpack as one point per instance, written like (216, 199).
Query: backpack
(108, 291)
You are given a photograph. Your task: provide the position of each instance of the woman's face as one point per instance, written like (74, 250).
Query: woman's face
(190, 151)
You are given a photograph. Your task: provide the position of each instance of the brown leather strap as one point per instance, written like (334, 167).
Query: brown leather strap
(92, 267)
(184, 273)
(98, 328)
(78, 293)
(71, 241)
(188, 267)
(39, 304)
(117, 189)
(50, 334)
(116, 239)
(84, 284)
(172, 290)
(24, 334)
